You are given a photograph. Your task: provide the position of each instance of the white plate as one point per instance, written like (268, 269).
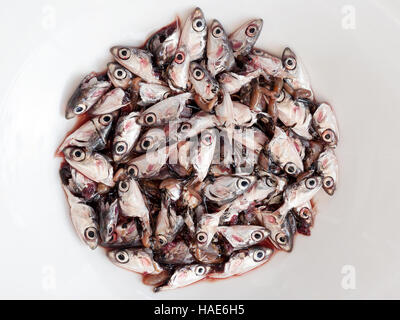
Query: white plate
(354, 64)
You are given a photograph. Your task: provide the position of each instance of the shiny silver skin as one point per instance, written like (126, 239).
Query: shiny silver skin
(119, 76)
(152, 139)
(163, 43)
(84, 220)
(93, 165)
(283, 152)
(243, 261)
(325, 123)
(241, 236)
(194, 33)
(164, 111)
(184, 276)
(126, 133)
(151, 93)
(243, 39)
(299, 78)
(178, 70)
(227, 188)
(110, 102)
(108, 219)
(135, 259)
(328, 168)
(85, 96)
(91, 135)
(137, 61)
(203, 83)
(219, 51)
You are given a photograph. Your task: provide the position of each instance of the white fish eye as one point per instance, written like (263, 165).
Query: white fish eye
(304, 213)
(198, 74)
(198, 25)
(290, 168)
(259, 255)
(120, 147)
(251, 30)
(162, 240)
(78, 154)
(133, 171)
(91, 233)
(147, 143)
(105, 119)
(328, 136)
(207, 139)
(185, 127)
(122, 256)
(120, 74)
(328, 182)
(281, 96)
(217, 32)
(80, 108)
(257, 235)
(180, 57)
(281, 239)
(258, 52)
(124, 53)
(201, 237)
(311, 183)
(200, 270)
(290, 63)
(150, 118)
(123, 186)
(271, 182)
(242, 183)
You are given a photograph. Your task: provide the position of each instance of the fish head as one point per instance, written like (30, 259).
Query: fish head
(244, 38)
(205, 85)
(324, 121)
(118, 75)
(108, 221)
(178, 70)
(151, 140)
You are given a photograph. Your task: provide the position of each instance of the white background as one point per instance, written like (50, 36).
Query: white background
(46, 48)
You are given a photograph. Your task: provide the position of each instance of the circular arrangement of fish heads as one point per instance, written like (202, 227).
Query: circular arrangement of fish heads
(196, 155)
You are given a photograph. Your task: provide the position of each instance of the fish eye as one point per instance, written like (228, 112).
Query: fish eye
(217, 32)
(198, 25)
(257, 235)
(259, 255)
(328, 182)
(290, 63)
(133, 171)
(124, 53)
(207, 139)
(120, 74)
(328, 136)
(311, 183)
(201, 237)
(150, 118)
(200, 270)
(80, 108)
(198, 74)
(91, 233)
(120, 147)
(251, 30)
(179, 57)
(304, 213)
(147, 143)
(271, 182)
(258, 52)
(105, 119)
(122, 256)
(290, 168)
(185, 127)
(281, 238)
(243, 184)
(123, 186)
(78, 154)
(162, 240)
(281, 96)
